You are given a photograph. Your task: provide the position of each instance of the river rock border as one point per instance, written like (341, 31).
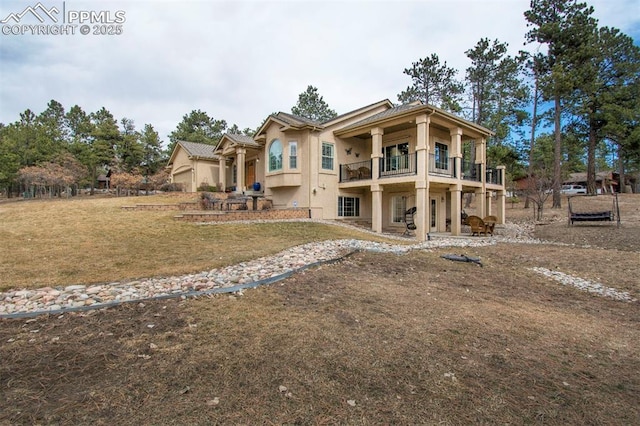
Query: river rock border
(231, 279)
(265, 270)
(585, 285)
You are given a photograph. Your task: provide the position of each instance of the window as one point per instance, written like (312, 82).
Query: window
(398, 206)
(442, 156)
(396, 157)
(348, 206)
(293, 154)
(275, 155)
(234, 174)
(434, 211)
(327, 156)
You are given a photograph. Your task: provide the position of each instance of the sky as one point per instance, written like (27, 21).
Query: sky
(243, 60)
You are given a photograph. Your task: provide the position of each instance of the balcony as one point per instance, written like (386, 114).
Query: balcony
(494, 176)
(355, 171)
(406, 165)
(399, 165)
(442, 166)
(471, 172)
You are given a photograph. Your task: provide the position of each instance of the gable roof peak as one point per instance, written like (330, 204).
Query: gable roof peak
(304, 120)
(384, 102)
(240, 138)
(194, 149)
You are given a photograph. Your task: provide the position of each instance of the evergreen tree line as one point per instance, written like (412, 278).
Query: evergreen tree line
(60, 151)
(578, 79)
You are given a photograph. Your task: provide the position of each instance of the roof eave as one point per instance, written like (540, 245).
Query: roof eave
(423, 108)
(382, 121)
(467, 123)
(349, 114)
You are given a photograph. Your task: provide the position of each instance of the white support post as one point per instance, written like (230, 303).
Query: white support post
(376, 152)
(422, 178)
(240, 155)
(376, 208)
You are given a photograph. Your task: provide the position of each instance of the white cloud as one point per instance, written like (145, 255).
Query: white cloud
(241, 61)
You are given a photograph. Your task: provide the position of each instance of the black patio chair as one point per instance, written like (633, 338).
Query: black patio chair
(409, 222)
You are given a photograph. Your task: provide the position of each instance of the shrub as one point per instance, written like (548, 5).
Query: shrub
(205, 187)
(172, 187)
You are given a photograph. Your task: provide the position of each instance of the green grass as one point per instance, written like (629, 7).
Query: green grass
(84, 241)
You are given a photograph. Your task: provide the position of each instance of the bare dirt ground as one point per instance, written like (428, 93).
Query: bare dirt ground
(372, 339)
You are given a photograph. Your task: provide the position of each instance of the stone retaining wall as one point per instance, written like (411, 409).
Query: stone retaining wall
(234, 215)
(164, 207)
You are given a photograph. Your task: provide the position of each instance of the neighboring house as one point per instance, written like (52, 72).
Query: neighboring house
(606, 182)
(104, 181)
(530, 184)
(370, 164)
(194, 164)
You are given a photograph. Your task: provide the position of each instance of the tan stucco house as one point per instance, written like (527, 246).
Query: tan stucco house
(371, 164)
(194, 164)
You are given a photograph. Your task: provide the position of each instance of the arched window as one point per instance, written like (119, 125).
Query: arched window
(275, 155)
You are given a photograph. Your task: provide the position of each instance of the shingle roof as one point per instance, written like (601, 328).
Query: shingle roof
(296, 120)
(385, 114)
(338, 117)
(414, 107)
(201, 150)
(582, 177)
(242, 139)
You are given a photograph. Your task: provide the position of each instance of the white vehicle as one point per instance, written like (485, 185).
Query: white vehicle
(573, 189)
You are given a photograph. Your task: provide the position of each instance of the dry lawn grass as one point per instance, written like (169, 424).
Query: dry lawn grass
(373, 339)
(626, 237)
(82, 241)
(408, 340)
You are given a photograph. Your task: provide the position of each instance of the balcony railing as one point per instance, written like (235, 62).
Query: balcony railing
(355, 171)
(399, 165)
(442, 166)
(472, 172)
(494, 176)
(407, 165)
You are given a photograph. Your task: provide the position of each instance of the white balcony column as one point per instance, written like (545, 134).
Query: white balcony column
(500, 206)
(376, 208)
(488, 195)
(222, 173)
(481, 152)
(480, 203)
(456, 150)
(481, 158)
(422, 179)
(456, 209)
(376, 152)
(421, 219)
(501, 199)
(422, 145)
(240, 159)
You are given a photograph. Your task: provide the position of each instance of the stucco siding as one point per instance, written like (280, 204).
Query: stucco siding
(184, 178)
(206, 173)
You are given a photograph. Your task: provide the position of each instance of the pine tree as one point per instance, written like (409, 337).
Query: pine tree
(312, 106)
(434, 84)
